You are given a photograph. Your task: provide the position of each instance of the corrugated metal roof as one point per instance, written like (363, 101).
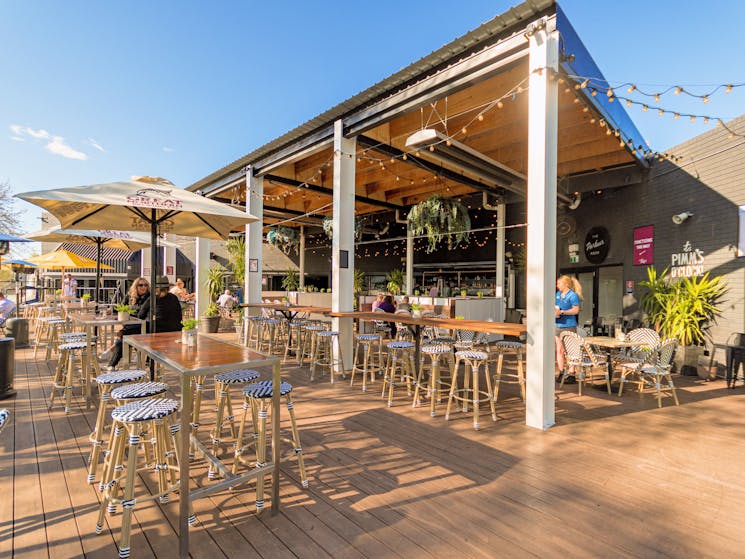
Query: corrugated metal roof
(91, 251)
(485, 35)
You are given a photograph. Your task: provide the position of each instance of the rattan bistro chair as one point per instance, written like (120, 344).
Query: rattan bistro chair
(587, 364)
(655, 369)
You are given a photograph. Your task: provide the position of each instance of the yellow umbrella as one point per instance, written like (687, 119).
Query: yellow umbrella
(62, 259)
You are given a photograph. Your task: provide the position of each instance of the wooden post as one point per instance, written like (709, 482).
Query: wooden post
(342, 247)
(541, 245)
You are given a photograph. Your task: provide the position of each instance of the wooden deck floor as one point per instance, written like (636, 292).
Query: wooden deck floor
(614, 478)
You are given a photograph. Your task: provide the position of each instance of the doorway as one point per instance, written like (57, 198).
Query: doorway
(602, 292)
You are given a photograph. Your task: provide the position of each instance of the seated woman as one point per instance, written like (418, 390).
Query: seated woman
(180, 291)
(388, 306)
(167, 315)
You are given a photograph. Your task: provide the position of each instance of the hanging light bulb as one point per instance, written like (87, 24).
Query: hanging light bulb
(631, 88)
(594, 92)
(628, 102)
(728, 89)
(705, 98)
(656, 97)
(645, 108)
(706, 120)
(676, 116)
(678, 89)
(464, 130)
(660, 112)
(481, 117)
(693, 118)
(500, 104)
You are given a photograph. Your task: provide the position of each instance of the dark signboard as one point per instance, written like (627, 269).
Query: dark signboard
(597, 245)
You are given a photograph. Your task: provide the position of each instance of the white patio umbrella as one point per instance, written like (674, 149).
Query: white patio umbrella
(143, 204)
(123, 240)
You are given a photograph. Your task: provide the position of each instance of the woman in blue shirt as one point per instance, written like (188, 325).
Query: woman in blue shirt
(568, 296)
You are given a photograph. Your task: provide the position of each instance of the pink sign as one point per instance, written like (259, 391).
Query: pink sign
(644, 245)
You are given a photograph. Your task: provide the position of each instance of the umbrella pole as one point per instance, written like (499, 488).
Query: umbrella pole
(153, 264)
(98, 269)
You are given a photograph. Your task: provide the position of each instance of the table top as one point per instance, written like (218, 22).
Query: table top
(504, 328)
(208, 355)
(92, 319)
(285, 308)
(611, 342)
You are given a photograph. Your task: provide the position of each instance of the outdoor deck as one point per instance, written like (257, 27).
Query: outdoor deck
(614, 478)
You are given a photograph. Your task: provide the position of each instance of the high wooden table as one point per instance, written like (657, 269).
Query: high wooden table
(504, 328)
(209, 356)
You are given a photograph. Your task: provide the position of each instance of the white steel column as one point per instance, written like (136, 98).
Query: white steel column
(200, 281)
(541, 245)
(409, 260)
(302, 257)
(342, 278)
(499, 278)
(255, 207)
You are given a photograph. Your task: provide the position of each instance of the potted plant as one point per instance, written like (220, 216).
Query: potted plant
(440, 219)
(123, 312)
(463, 292)
(416, 310)
(188, 331)
(236, 247)
(291, 280)
(395, 280)
(358, 284)
(85, 299)
(210, 320)
(684, 309)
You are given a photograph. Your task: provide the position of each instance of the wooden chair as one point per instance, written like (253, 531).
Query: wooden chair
(585, 361)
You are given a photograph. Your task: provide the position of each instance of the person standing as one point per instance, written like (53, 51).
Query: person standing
(566, 311)
(69, 286)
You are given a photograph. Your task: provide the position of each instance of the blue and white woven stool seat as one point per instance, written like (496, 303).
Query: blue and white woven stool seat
(139, 390)
(54, 320)
(436, 349)
(314, 327)
(327, 333)
(69, 336)
(145, 410)
(4, 415)
(400, 345)
(368, 337)
(69, 346)
(118, 377)
(470, 354)
(271, 321)
(238, 376)
(503, 344)
(263, 389)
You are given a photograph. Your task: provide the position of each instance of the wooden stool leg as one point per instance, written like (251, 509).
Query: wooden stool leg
(297, 447)
(453, 384)
(96, 436)
(222, 390)
(261, 455)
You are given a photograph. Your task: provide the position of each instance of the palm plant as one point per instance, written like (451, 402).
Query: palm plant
(291, 280)
(237, 254)
(684, 309)
(214, 282)
(395, 279)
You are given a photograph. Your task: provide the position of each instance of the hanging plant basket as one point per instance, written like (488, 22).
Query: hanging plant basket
(285, 239)
(440, 219)
(328, 228)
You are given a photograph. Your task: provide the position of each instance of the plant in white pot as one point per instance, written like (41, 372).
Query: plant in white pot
(210, 320)
(684, 309)
(189, 331)
(85, 299)
(123, 312)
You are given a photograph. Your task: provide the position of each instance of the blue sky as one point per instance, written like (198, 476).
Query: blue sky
(100, 91)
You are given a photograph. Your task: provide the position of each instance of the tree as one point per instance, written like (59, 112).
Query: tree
(10, 221)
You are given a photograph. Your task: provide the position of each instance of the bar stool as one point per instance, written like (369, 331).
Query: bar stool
(106, 383)
(254, 331)
(47, 334)
(400, 363)
(501, 349)
(127, 394)
(147, 418)
(223, 382)
(270, 331)
(258, 397)
(294, 340)
(64, 372)
(310, 331)
(372, 360)
(472, 360)
(439, 354)
(323, 354)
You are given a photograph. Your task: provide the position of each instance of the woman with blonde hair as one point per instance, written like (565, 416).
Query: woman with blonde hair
(138, 295)
(566, 311)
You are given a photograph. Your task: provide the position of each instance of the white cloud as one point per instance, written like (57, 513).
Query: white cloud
(96, 145)
(56, 144)
(168, 150)
(58, 147)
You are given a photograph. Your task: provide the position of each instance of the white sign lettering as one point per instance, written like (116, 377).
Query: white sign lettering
(688, 263)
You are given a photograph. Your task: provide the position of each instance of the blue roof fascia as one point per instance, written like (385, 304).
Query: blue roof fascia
(575, 60)
(13, 239)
